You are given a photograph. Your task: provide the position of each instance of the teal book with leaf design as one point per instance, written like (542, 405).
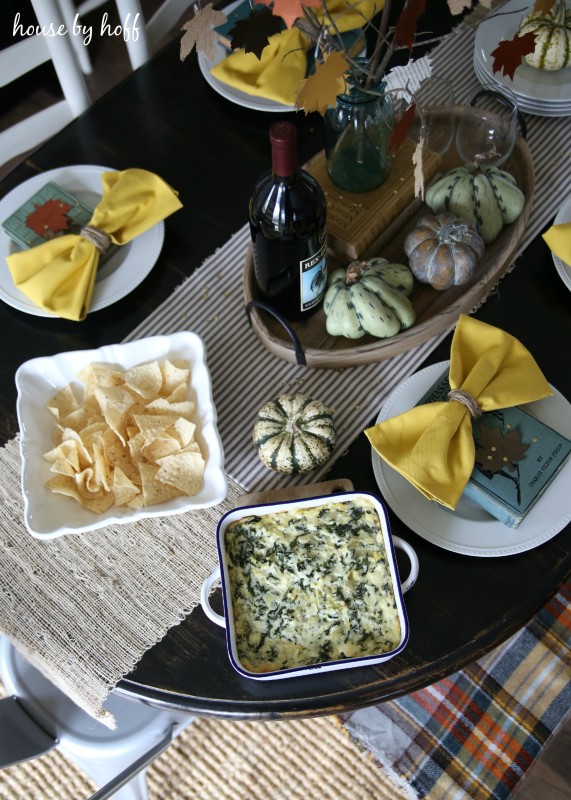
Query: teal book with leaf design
(517, 457)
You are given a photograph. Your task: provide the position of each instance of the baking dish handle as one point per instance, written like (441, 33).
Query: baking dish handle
(413, 558)
(205, 599)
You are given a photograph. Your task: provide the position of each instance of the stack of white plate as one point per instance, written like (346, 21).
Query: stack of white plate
(547, 94)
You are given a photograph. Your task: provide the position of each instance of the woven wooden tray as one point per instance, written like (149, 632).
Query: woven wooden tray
(436, 311)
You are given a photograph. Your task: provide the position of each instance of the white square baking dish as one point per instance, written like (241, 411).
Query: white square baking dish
(310, 586)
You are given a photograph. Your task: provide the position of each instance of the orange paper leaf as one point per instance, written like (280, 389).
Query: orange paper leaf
(509, 54)
(405, 28)
(290, 10)
(200, 34)
(49, 217)
(321, 89)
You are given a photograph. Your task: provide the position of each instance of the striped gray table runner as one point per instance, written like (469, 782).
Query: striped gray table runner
(245, 375)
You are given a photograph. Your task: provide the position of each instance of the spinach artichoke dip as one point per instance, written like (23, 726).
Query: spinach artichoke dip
(310, 585)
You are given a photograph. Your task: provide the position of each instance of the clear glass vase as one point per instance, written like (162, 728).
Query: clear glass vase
(357, 133)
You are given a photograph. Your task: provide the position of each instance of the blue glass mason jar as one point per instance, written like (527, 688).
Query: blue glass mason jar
(357, 133)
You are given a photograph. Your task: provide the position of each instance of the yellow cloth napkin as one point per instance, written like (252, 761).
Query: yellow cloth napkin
(432, 445)
(277, 74)
(558, 239)
(59, 275)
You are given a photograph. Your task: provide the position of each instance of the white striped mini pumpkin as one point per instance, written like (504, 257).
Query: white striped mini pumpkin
(294, 433)
(552, 37)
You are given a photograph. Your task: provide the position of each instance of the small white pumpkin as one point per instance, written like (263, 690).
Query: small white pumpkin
(369, 297)
(552, 37)
(294, 433)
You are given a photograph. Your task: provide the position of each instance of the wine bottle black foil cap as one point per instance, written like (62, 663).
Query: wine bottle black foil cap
(284, 152)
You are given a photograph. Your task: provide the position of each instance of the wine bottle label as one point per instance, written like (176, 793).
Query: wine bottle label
(313, 278)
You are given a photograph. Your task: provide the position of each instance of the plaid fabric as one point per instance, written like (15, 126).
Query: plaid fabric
(476, 734)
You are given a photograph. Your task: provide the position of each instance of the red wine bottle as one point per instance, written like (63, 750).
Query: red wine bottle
(288, 215)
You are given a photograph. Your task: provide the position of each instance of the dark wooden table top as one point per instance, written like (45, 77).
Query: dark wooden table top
(165, 118)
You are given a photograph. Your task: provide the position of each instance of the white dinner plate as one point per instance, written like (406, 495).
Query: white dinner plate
(564, 270)
(529, 84)
(469, 529)
(120, 274)
(526, 105)
(229, 92)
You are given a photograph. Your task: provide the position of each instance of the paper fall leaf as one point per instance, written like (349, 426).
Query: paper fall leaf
(200, 33)
(49, 218)
(321, 89)
(418, 162)
(509, 54)
(457, 6)
(407, 79)
(289, 10)
(401, 129)
(253, 32)
(405, 28)
(496, 451)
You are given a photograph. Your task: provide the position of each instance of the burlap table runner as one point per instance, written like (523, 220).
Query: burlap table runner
(85, 608)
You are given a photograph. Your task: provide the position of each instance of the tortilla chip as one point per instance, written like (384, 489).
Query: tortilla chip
(63, 402)
(115, 402)
(186, 408)
(97, 503)
(161, 447)
(155, 491)
(152, 426)
(178, 394)
(94, 375)
(174, 373)
(146, 379)
(124, 490)
(184, 431)
(183, 470)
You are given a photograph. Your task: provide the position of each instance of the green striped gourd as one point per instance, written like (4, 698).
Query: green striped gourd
(369, 297)
(552, 37)
(294, 433)
(487, 197)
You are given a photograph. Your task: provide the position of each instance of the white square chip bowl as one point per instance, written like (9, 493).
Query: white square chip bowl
(222, 573)
(48, 515)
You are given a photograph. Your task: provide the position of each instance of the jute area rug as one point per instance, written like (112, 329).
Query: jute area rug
(286, 760)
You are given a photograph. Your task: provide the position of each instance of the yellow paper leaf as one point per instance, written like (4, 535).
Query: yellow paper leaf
(200, 33)
(321, 89)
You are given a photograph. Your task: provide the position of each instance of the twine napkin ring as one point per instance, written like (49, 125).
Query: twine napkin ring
(467, 400)
(97, 237)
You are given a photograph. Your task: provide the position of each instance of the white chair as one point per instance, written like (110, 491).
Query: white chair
(26, 55)
(149, 32)
(37, 717)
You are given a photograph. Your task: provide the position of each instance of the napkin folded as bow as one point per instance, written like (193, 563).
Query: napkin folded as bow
(432, 445)
(59, 275)
(558, 239)
(283, 64)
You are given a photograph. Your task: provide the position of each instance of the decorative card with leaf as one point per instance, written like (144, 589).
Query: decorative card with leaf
(517, 457)
(51, 212)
